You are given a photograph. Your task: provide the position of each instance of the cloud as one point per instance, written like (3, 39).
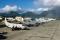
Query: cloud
(30, 10)
(47, 3)
(42, 9)
(8, 8)
(19, 8)
(39, 9)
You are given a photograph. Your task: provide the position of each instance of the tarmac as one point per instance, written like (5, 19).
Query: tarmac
(47, 31)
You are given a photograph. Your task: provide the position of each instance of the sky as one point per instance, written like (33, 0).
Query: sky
(21, 3)
(29, 4)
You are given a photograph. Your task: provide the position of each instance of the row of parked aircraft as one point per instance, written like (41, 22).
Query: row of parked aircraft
(25, 25)
(44, 20)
